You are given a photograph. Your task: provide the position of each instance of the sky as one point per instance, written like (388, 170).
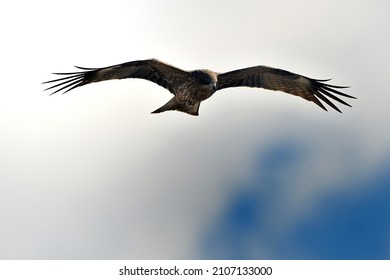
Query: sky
(258, 175)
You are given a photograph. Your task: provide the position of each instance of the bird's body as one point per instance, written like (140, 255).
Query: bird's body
(190, 88)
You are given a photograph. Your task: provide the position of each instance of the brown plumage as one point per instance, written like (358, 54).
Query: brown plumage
(190, 88)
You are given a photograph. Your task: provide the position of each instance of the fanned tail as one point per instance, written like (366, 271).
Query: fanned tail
(174, 105)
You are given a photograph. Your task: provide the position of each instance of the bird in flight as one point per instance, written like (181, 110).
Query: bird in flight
(190, 88)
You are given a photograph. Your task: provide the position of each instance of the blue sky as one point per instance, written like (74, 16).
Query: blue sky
(258, 175)
(347, 225)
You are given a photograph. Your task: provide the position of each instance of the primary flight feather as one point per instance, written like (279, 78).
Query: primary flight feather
(190, 88)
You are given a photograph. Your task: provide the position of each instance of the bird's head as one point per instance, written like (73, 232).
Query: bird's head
(206, 78)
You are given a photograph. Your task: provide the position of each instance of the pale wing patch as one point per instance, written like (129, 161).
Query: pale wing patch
(304, 81)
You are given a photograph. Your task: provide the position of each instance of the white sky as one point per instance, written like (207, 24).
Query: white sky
(92, 174)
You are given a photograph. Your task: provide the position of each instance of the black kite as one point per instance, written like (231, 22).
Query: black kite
(190, 88)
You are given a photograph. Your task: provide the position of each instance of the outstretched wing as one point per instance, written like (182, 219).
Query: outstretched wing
(153, 70)
(281, 80)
